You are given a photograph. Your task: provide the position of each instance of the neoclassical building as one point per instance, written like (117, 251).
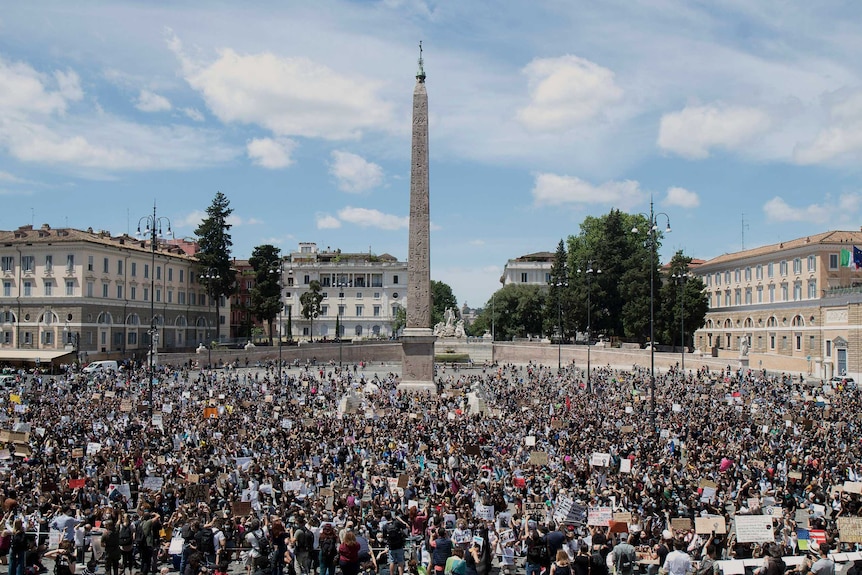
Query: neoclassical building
(786, 306)
(67, 290)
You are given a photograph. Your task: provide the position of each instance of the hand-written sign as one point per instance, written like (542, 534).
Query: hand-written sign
(754, 529)
(600, 516)
(538, 458)
(850, 529)
(600, 459)
(680, 523)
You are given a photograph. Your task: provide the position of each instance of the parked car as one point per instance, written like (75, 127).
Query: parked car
(846, 382)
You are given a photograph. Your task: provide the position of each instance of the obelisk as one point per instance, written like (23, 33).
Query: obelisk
(417, 341)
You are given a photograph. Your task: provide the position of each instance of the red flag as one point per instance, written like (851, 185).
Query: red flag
(77, 483)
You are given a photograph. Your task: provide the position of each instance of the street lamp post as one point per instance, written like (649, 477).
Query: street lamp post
(280, 272)
(589, 272)
(559, 285)
(212, 276)
(652, 232)
(339, 327)
(153, 228)
(681, 278)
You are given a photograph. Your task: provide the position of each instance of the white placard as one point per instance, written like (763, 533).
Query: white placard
(625, 465)
(754, 529)
(600, 459)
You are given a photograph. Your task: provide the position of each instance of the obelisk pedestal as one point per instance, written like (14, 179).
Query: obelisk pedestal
(417, 341)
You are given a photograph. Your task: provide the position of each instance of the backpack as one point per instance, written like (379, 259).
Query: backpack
(328, 549)
(204, 539)
(624, 565)
(125, 536)
(61, 565)
(302, 540)
(394, 536)
(263, 543)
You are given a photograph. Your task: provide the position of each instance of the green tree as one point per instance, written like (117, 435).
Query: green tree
(266, 301)
(680, 293)
(311, 301)
(517, 310)
(214, 240)
(441, 298)
(400, 320)
(558, 308)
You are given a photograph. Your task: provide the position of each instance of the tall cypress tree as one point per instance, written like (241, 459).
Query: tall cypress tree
(214, 240)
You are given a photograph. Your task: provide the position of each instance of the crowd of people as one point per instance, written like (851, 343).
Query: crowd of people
(510, 467)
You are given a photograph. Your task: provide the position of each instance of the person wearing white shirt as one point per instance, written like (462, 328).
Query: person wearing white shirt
(677, 561)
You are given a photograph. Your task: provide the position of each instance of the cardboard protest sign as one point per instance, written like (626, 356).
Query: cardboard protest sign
(77, 483)
(680, 523)
(484, 512)
(625, 465)
(240, 508)
(210, 413)
(77, 452)
(538, 458)
(850, 529)
(153, 483)
(853, 486)
(93, 448)
(600, 516)
(600, 459)
(197, 493)
(623, 517)
(754, 529)
(403, 480)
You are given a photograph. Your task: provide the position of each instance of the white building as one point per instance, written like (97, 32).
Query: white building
(531, 269)
(363, 290)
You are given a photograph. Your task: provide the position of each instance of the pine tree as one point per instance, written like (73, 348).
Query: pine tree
(214, 240)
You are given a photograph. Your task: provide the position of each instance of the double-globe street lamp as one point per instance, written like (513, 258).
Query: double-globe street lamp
(280, 271)
(153, 229)
(339, 326)
(652, 239)
(212, 277)
(560, 285)
(589, 272)
(681, 278)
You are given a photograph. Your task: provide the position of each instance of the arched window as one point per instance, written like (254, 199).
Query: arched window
(375, 330)
(358, 330)
(749, 322)
(772, 322)
(181, 321)
(798, 321)
(133, 319)
(48, 318)
(105, 318)
(728, 324)
(7, 317)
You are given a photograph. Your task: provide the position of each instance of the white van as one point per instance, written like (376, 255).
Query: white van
(101, 365)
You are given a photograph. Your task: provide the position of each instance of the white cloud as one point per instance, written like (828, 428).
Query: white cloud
(69, 85)
(27, 91)
(326, 222)
(369, 218)
(566, 91)
(151, 102)
(191, 220)
(271, 153)
(289, 96)
(693, 131)
(681, 197)
(194, 114)
(778, 210)
(556, 190)
(236, 221)
(354, 173)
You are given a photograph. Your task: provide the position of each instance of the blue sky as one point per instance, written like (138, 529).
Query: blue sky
(541, 113)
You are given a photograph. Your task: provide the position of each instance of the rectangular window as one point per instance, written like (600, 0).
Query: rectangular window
(759, 294)
(770, 269)
(748, 274)
(170, 296)
(202, 300)
(119, 292)
(119, 267)
(325, 281)
(359, 295)
(771, 293)
(727, 277)
(341, 295)
(146, 294)
(28, 263)
(90, 263)
(7, 289)
(104, 290)
(134, 270)
(395, 310)
(748, 296)
(812, 289)
(717, 279)
(306, 279)
(181, 297)
(359, 310)
(785, 292)
(376, 311)
(70, 288)
(797, 291)
(28, 289)
(758, 272)
(158, 272)
(49, 288)
(828, 348)
(182, 276)
(7, 337)
(727, 298)
(812, 263)
(170, 274)
(105, 265)
(133, 338)
(523, 277)
(70, 262)
(89, 289)
(146, 271)
(49, 263)
(28, 338)
(771, 341)
(798, 340)
(376, 280)
(133, 292)
(782, 268)
(324, 310)
(797, 266)
(192, 298)
(736, 275)
(395, 279)
(377, 295)
(341, 310)
(8, 263)
(737, 296)
(833, 261)
(158, 294)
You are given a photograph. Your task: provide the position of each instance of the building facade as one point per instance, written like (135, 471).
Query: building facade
(363, 292)
(91, 292)
(242, 322)
(531, 269)
(786, 306)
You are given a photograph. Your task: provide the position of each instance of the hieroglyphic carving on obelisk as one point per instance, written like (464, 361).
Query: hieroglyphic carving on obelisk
(417, 370)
